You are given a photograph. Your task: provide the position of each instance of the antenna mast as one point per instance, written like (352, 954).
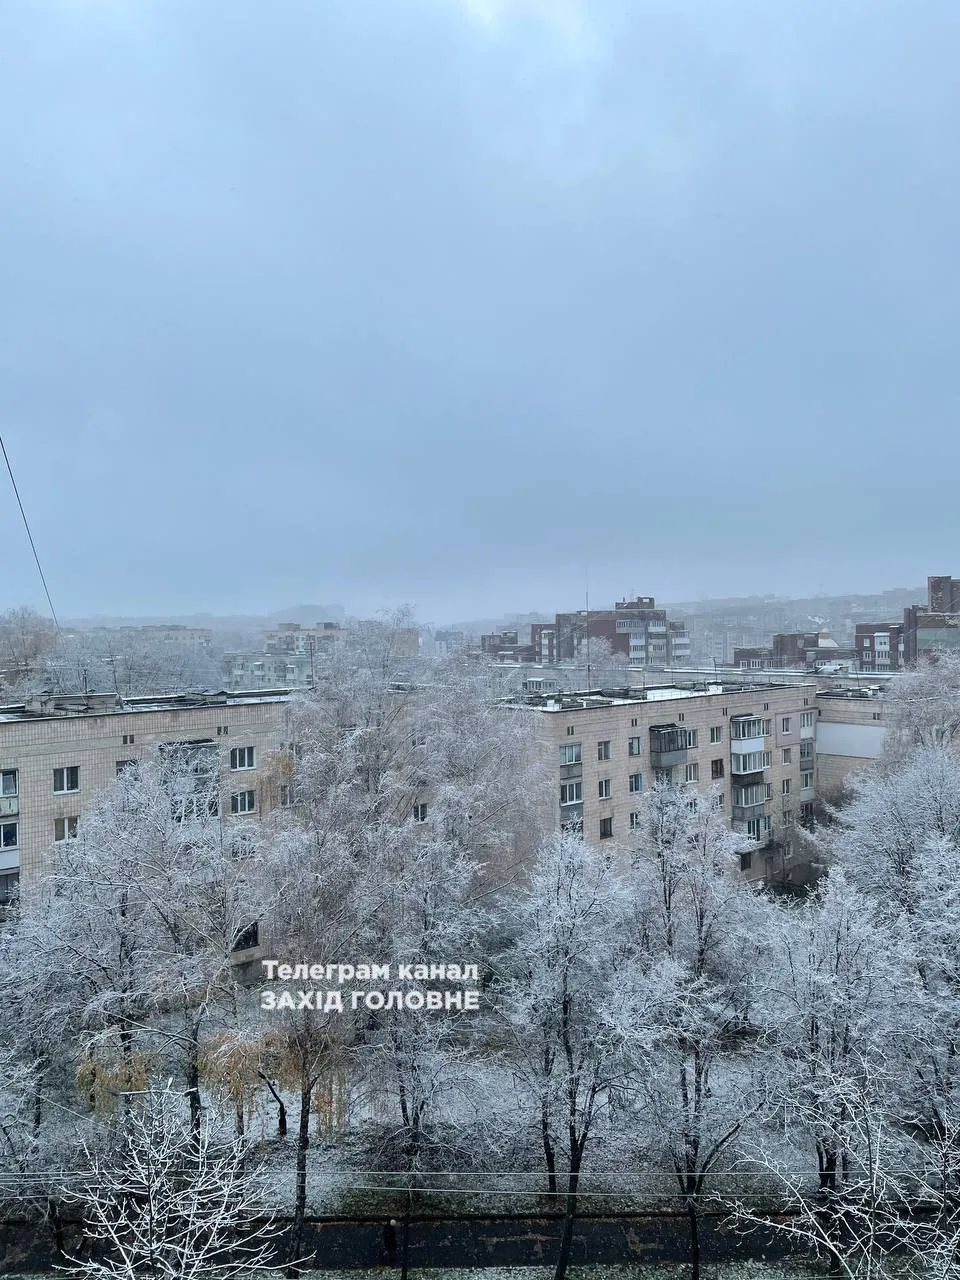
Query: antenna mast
(586, 592)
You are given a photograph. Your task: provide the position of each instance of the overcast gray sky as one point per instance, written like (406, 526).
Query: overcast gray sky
(445, 301)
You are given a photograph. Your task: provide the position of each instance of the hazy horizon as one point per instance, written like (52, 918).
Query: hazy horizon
(457, 302)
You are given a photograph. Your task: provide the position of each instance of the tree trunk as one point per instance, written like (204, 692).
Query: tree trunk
(281, 1108)
(694, 1220)
(193, 1076)
(569, 1217)
(405, 1243)
(300, 1200)
(548, 1152)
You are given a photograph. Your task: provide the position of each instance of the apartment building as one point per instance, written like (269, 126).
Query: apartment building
(934, 627)
(636, 628)
(58, 753)
(754, 745)
(879, 646)
(851, 727)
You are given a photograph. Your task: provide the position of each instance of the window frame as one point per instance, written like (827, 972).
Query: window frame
(247, 753)
(66, 770)
(239, 806)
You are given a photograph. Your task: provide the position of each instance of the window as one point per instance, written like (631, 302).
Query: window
(786, 755)
(746, 859)
(570, 753)
(65, 828)
(634, 722)
(767, 724)
(876, 715)
(766, 706)
(785, 724)
(749, 727)
(241, 758)
(680, 716)
(716, 733)
(692, 773)
(606, 828)
(636, 820)
(866, 642)
(787, 814)
(247, 938)
(750, 762)
(806, 719)
(128, 739)
(806, 753)
(67, 779)
(571, 792)
(9, 835)
(785, 787)
(718, 800)
(691, 737)
(603, 749)
(8, 782)
(806, 781)
(716, 768)
(419, 813)
(9, 886)
(758, 828)
(603, 788)
(569, 730)
(223, 729)
(635, 783)
(286, 794)
(243, 802)
(122, 765)
(635, 746)
(743, 797)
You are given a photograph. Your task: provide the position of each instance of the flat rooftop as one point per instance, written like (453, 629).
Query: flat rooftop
(588, 699)
(50, 706)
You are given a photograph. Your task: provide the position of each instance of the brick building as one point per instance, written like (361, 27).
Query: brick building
(755, 745)
(58, 753)
(935, 626)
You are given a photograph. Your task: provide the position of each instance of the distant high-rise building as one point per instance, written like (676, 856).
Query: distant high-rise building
(934, 627)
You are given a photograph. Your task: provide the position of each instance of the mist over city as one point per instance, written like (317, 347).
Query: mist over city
(479, 639)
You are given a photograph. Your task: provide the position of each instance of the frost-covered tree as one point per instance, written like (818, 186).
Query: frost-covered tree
(923, 708)
(699, 923)
(125, 662)
(167, 1201)
(26, 639)
(564, 1004)
(129, 937)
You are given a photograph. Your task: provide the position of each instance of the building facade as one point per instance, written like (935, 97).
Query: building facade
(754, 747)
(879, 646)
(934, 627)
(851, 728)
(58, 753)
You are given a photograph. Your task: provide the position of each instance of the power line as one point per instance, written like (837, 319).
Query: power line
(26, 526)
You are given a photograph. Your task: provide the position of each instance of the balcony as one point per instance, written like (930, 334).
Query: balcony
(745, 812)
(743, 764)
(668, 746)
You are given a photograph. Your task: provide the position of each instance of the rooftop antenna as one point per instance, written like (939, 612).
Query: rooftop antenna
(586, 594)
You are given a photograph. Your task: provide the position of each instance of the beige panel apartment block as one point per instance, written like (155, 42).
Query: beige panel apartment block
(850, 735)
(624, 744)
(42, 743)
